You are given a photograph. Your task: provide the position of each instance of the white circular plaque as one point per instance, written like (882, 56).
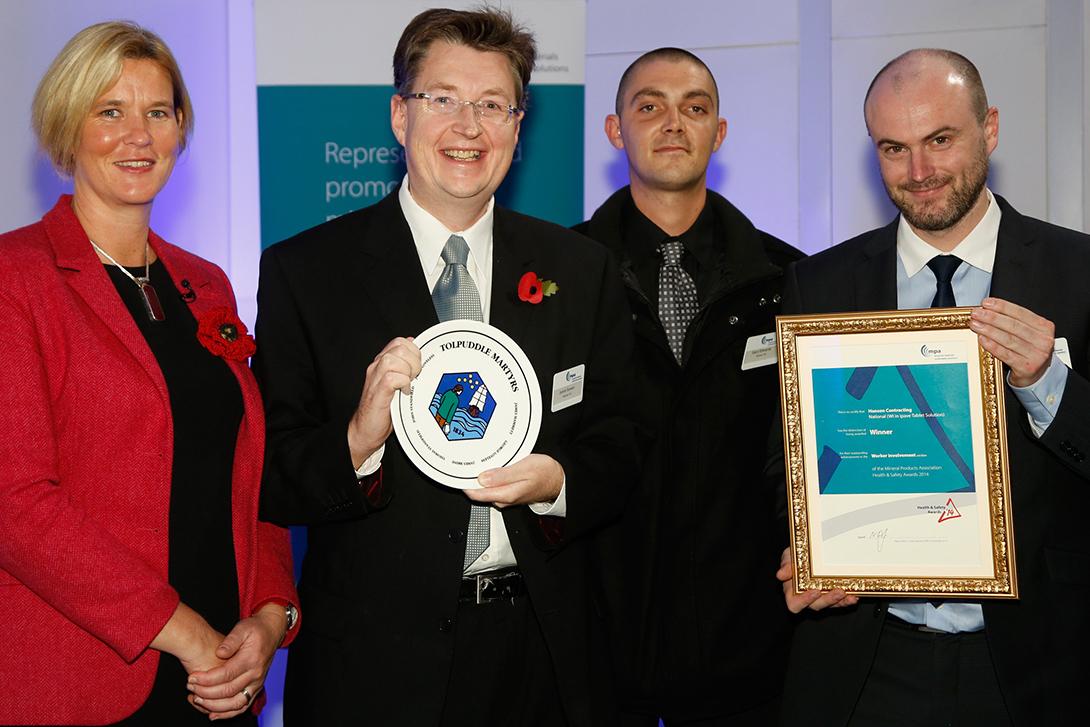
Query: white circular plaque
(476, 404)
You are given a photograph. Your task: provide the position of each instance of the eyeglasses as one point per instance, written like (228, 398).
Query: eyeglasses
(493, 112)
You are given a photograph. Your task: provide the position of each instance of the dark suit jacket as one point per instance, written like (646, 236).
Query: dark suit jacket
(1039, 642)
(381, 577)
(696, 617)
(85, 480)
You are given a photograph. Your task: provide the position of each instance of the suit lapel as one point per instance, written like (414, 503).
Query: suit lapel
(1013, 272)
(875, 278)
(197, 288)
(1014, 267)
(389, 269)
(87, 277)
(193, 284)
(512, 256)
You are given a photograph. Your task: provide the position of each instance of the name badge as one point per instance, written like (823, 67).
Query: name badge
(568, 387)
(1061, 349)
(760, 351)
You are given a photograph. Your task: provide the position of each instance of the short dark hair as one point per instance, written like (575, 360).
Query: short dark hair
(665, 54)
(957, 62)
(483, 29)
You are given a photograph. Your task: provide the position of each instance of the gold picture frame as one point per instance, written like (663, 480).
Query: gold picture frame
(885, 416)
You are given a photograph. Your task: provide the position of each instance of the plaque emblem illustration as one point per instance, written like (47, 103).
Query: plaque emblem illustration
(462, 406)
(474, 406)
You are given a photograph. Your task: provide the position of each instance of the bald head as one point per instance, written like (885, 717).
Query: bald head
(915, 65)
(933, 132)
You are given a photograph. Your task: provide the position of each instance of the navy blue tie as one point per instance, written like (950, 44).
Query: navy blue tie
(944, 266)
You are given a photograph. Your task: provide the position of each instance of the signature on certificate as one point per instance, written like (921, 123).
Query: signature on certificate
(878, 537)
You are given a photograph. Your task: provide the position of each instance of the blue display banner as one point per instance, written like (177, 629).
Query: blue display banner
(328, 150)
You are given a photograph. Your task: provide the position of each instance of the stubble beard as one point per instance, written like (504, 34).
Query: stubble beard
(961, 200)
(676, 178)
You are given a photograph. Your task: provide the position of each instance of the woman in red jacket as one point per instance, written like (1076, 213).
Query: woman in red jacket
(136, 580)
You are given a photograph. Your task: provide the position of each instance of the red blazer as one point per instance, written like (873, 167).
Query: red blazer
(85, 466)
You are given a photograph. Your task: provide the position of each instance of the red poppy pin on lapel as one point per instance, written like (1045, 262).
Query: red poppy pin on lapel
(224, 334)
(532, 288)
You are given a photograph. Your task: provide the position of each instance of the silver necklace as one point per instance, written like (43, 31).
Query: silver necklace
(143, 284)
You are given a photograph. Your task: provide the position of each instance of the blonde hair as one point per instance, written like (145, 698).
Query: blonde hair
(88, 65)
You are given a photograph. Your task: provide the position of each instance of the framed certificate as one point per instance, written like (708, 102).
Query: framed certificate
(896, 455)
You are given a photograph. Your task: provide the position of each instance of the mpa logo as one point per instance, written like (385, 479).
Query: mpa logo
(768, 340)
(938, 353)
(462, 406)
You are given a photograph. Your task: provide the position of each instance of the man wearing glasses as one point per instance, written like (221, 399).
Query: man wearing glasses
(427, 605)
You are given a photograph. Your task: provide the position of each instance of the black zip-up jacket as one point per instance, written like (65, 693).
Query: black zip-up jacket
(696, 615)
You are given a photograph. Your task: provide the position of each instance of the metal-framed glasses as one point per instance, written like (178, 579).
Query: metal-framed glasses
(494, 112)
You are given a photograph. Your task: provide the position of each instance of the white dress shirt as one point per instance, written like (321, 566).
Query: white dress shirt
(430, 236)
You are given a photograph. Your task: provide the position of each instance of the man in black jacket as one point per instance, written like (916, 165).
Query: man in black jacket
(412, 621)
(699, 631)
(867, 661)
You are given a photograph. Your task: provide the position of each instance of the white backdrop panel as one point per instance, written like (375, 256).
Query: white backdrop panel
(1012, 65)
(352, 43)
(757, 166)
(193, 209)
(620, 26)
(857, 18)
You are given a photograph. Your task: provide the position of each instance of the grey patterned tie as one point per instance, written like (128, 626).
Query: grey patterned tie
(678, 303)
(455, 296)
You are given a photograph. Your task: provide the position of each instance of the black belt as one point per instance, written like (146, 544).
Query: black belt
(498, 585)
